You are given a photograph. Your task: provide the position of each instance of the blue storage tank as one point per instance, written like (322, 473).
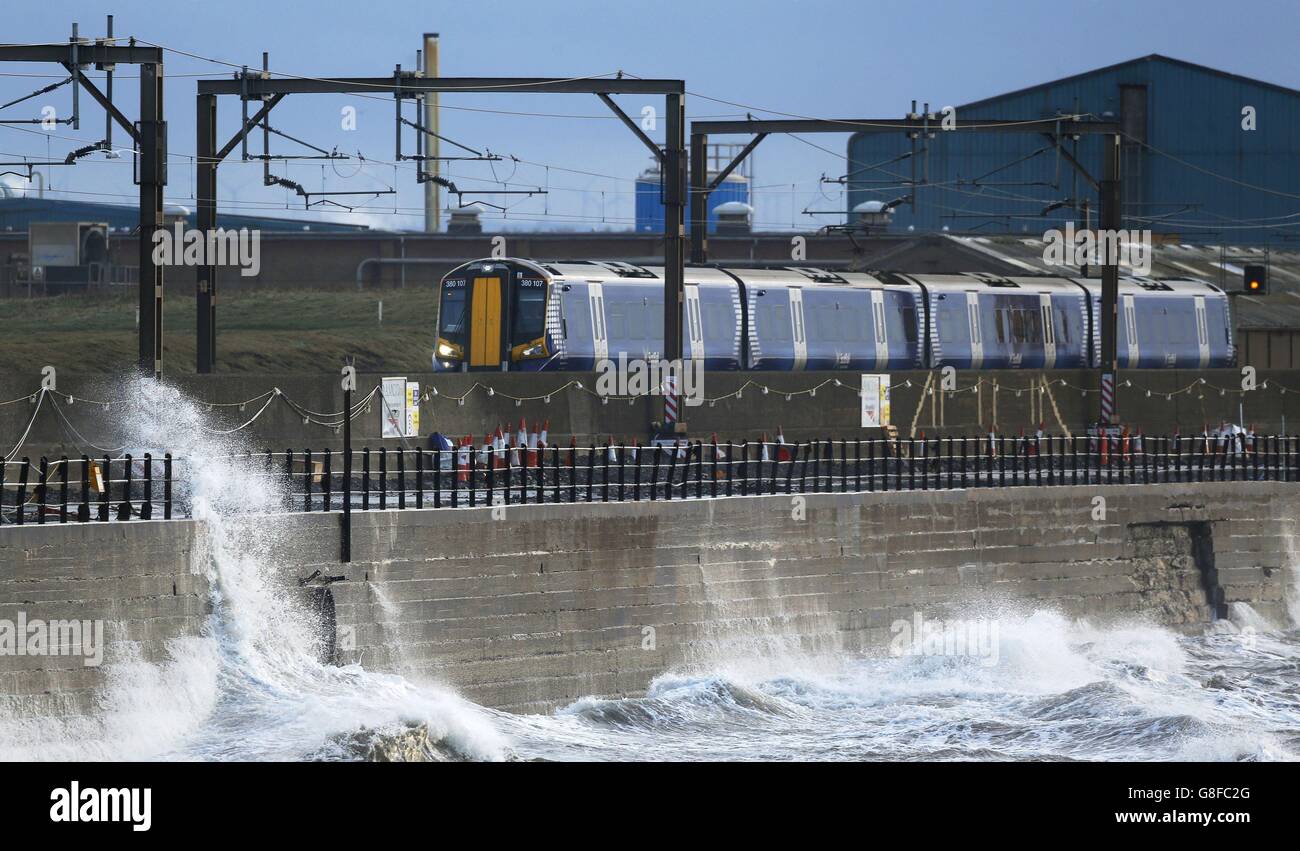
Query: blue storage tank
(1188, 164)
(650, 208)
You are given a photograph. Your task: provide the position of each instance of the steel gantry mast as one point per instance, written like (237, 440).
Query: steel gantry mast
(1055, 129)
(269, 91)
(149, 135)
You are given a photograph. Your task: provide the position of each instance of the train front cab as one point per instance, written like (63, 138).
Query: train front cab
(492, 316)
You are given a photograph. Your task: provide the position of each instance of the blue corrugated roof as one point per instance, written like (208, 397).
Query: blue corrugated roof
(1189, 169)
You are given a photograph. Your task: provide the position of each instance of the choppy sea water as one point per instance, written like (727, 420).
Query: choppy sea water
(1056, 689)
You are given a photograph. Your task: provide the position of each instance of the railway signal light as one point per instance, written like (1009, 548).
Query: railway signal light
(1255, 280)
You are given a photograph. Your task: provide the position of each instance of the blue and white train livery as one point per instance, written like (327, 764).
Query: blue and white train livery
(527, 315)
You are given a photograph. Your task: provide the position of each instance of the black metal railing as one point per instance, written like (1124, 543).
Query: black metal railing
(86, 489)
(118, 489)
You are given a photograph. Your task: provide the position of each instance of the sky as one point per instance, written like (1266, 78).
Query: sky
(864, 59)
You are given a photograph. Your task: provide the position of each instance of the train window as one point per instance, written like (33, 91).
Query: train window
(577, 316)
(1063, 326)
(909, 323)
(774, 321)
(453, 311)
(530, 314)
(1017, 325)
(719, 320)
(1034, 326)
(998, 324)
(951, 323)
(616, 316)
(825, 322)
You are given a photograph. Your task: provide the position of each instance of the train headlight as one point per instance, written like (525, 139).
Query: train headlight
(447, 350)
(535, 349)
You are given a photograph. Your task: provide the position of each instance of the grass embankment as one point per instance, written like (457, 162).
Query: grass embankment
(267, 331)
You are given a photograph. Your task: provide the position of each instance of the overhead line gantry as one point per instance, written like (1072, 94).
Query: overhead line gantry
(925, 125)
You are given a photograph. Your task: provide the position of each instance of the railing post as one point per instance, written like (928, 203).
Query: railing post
(857, 465)
(419, 477)
(713, 468)
(326, 479)
(437, 475)
(306, 478)
(555, 466)
(401, 478)
(573, 469)
(591, 470)
(621, 449)
(83, 512)
(167, 487)
(871, 464)
(20, 501)
(744, 468)
(383, 478)
(636, 471)
(365, 476)
(105, 497)
(63, 489)
(455, 473)
(146, 507)
(4, 464)
(541, 474)
(605, 480)
(473, 478)
(125, 510)
(789, 473)
(41, 487)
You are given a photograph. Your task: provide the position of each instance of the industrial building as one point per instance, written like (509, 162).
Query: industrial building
(1208, 157)
(734, 189)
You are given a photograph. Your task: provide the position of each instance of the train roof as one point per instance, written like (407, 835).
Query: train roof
(1131, 285)
(615, 272)
(984, 281)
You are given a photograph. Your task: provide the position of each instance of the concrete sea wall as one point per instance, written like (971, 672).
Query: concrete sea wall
(528, 608)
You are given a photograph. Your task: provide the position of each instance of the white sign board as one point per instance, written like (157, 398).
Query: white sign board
(875, 401)
(412, 421)
(399, 408)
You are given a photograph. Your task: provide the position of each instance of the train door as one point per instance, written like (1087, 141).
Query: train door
(1049, 330)
(797, 328)
(599, 332)
(485, 323)
(879, 334)
(1130, 330)
(976, 336)
(1202, 332)
(694, 323)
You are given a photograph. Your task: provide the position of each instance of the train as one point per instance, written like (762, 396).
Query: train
(528, 315)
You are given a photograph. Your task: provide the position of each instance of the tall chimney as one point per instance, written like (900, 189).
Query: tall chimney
(432, 222)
